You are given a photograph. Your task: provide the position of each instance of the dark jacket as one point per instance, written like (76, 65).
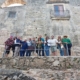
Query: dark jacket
(18, 42)
(24, 45)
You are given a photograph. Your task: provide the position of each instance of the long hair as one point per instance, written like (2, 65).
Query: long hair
(59, 38)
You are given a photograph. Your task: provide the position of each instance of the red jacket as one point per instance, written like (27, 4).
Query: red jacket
(9, 42)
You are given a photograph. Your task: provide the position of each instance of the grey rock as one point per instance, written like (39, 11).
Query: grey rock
(16, 75)
(56, 63)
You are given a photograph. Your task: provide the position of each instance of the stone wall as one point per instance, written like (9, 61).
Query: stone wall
(53, 63)
(34, 19)
(40, 68)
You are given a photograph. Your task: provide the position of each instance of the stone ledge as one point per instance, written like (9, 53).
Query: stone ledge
(60, 18)
(53, 63)
(57, 1)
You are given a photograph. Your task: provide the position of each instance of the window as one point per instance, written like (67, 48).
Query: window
(12, 14)
(58, 10)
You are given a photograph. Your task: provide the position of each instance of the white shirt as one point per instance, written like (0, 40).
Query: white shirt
(59, 42)
(15, 42)
(52, 42)
(29, 43)
(49, 42)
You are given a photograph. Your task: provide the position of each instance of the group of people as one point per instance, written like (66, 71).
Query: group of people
(40, 46)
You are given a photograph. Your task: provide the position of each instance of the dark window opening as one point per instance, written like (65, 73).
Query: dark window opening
(12, 14)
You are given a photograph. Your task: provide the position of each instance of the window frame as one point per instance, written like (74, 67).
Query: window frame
(58, 12)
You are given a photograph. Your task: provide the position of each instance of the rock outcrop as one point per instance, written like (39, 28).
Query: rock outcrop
(13, 75)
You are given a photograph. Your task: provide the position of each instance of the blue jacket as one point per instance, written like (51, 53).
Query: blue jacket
(24, 45)
(18, 40)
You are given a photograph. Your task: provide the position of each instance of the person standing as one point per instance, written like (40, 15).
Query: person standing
(42, 47)
(33, 45)
(46, 46)
(17, 43)
(39, 46)
(8, 45)
(67, 45)
(53, 44)
(60, 46)
(24, 47)
(29, 43)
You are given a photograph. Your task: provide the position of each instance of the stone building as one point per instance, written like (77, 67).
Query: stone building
(40, 17)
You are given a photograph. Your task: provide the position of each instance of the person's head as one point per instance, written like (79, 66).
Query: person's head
(52, 37)
(39, 39)
(29, 39)
(65, 36)
(33, 38)
(36, 38)
(25, 40)
(59, 37)
(11, 37)
(40, 36)
(15, 38)
(47, 38)
(19, 37)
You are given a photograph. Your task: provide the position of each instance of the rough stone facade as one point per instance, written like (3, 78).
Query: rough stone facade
(53, 63)
(37, 18)
(40, 68)
(34, 19)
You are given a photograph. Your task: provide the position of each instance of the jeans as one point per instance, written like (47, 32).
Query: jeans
(61, 50)
(22, 53)
(28, 52)
(68, 48)
(38, 51)
(46, 49)
(42, 50)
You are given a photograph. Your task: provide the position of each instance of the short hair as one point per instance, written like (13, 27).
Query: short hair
(65, 36)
